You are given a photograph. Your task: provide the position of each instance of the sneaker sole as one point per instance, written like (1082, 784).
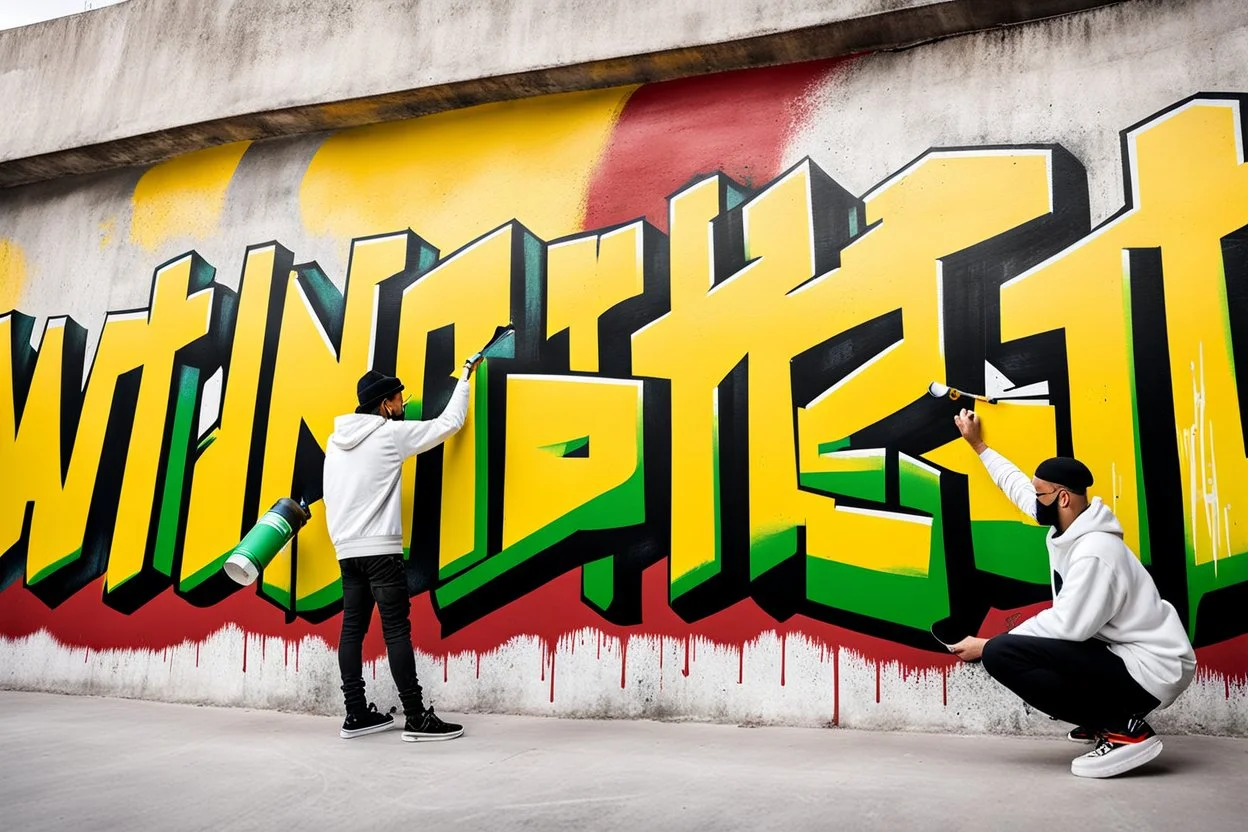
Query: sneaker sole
(1080, 740)
(412, 736)
(359, 732)
(1121, 761)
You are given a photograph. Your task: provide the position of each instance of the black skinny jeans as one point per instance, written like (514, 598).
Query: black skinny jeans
(1074, 681)
(380, 579)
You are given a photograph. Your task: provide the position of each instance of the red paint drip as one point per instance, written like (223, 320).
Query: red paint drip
(695, 650)
(165, 656)
(623, 659)
(553, 651)
(296, 657)
(244, 652)
(478, 665)
(446, 666)
(741, 664)
(685, 672)
(600, 634)
(197, 654)
(877, 681)
(836, 685)
(544, 647)
(86, 654)
(944, 685)
(264, 646)
(784, 649)
(374, 671)
(285, 655)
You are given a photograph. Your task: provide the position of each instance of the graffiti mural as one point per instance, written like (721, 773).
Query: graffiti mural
(737, 398)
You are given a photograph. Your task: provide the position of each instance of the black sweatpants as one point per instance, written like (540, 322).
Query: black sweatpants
(1075, 681)
(380, 579)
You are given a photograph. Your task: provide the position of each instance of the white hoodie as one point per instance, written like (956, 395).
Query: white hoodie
(363, 467)
(1106, 593)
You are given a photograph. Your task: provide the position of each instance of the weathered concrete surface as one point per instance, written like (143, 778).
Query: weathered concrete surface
(148, 79)
(77, 762)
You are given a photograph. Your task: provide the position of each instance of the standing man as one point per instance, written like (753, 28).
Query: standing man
(363, 509)
(1110, 650)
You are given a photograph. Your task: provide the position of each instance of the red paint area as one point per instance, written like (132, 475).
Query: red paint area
(548, 613)
(674, 131)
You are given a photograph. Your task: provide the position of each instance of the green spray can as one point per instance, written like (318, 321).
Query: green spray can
(272, 532)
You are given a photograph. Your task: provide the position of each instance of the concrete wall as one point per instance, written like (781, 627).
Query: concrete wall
(147, 79)
(730, 504)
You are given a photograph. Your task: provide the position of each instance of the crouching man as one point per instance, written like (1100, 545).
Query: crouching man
(1110, 650)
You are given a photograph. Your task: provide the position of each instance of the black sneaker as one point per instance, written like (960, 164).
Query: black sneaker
(365, 722)
(1117, 752)
(1081, 734)
(426, 727)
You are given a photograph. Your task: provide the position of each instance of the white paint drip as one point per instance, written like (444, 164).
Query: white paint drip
(1197, 446)
(588, 674)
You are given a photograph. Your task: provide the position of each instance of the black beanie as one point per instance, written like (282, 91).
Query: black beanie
(1069, 473)
(374, 388)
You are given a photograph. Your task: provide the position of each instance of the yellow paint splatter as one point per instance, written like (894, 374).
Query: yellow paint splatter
(183, 197)
(12, 275)
(108, 227)
(453, 176)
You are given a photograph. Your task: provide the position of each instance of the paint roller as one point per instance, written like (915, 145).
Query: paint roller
(502, 344)
(941, 391)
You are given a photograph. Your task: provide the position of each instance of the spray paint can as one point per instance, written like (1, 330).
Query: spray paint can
(272, 532)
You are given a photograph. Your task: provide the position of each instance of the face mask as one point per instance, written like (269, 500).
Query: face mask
(396, 416)
(1046, 515)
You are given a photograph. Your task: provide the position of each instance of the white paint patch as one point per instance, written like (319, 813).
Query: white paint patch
(210, 403)
(1072, 80)
(774, 679)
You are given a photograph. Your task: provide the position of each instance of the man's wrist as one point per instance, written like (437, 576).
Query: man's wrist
(979, 447)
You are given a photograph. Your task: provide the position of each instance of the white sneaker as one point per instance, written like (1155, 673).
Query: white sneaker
(1119, 752)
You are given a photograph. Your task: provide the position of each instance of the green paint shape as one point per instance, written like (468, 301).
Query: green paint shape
(622, 506)
(1011, 549)
(598, 582)
(175, 471)
(563, 449)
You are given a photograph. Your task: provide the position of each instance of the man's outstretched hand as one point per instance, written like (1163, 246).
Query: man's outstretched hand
(971, 429)
(471, 363)
(970, 648)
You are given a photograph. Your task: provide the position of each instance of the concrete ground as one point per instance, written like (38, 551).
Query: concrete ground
(96, 764)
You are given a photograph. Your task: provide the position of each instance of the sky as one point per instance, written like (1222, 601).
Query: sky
(24, 12)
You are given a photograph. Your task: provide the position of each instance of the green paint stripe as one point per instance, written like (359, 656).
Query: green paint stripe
(280, 596)
(175, 471)
(693, 578)
(323, 597)
(206, 441)
(53, 567)
(1142, 503)
(833, 446)
(205, 573)
(562, 449)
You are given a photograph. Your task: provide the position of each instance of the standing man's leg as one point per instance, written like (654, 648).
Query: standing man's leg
(388, 579)
(357, 610)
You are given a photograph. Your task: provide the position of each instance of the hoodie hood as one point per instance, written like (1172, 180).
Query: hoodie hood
(354, 428)
(1096, 518)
